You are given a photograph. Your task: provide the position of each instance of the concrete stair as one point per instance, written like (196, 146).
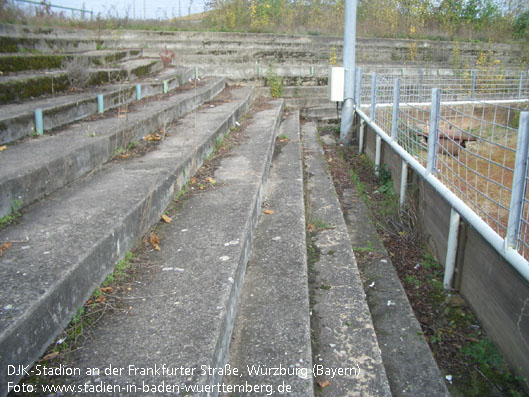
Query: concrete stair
(66, 245)
(17, 120)
(41, 166)
(272, 327)
(232, 286)
(26, 85)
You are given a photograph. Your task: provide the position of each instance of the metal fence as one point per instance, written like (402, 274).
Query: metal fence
(466, 131)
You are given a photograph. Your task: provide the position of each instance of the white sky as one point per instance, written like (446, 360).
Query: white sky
(158, 9)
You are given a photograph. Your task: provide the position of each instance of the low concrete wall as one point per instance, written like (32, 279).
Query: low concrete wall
(496, 292)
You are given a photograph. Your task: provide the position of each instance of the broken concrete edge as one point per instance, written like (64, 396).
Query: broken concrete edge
(223, 341)
(35, 183)
(22, 126)
(345, 338)
(29, 337)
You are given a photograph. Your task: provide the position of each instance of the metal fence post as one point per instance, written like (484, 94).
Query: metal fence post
(403, 183)
(451, 249)
(433, 134)
(373, 96)
(358, 86)
(100, 104)
(395, 117)
(39, 124)
(518, 183)
(378, 149)
(520, 85)
(421, 73)
(473, 88)
(361, 137)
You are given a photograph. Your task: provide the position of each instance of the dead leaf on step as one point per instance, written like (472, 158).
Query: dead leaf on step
(323, 383)
(50, 356)
(2, 148)
(153, 137)
(268, 212)
(4, 247)
(106, 290)
(166, 219)
(155, 241)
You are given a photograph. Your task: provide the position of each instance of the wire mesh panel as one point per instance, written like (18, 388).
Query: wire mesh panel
(477, 148)
(476, 138)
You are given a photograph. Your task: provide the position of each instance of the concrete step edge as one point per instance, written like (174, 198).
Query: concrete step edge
(341, 322)
(78, 157)
(18, 123)
(34, 85)
(272, 328)
(28, 335)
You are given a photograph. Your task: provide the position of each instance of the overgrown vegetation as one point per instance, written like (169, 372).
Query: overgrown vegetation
(471, 363)
(464, 20)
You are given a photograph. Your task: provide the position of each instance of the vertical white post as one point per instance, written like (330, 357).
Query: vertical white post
(451, 249)
(395, 117)
(373, 97)
(361, 137)
(433, 134)
(377, 155)
(403, 183)
(349, 66)
(358, 86)
(518, 183)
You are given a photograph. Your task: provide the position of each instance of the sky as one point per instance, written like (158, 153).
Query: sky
(154, 9)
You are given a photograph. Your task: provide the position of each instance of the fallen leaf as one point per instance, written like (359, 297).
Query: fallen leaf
(125, 156)
(50, 356)
(100, 299)
(166, 219)
(106, 290)
(323, 383)
(330, 160)
(268, 212)
(2, 148)
(211, 180)
(153, 137)
(4, 247)
(155, 241)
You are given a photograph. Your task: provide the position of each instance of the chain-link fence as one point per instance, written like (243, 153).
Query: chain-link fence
(463, 128)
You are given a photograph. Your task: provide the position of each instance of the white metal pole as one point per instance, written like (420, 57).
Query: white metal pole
(518, 182)
(451, 249)
(349, 67)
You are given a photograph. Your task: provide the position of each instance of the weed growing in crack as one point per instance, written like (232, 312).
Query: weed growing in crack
(15, 214)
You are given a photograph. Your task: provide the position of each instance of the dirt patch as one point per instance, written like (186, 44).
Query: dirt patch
(471, 363)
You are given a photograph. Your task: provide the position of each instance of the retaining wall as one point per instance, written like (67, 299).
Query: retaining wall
(495, 291)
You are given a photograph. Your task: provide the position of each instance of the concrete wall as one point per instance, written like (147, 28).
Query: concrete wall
(494, 290)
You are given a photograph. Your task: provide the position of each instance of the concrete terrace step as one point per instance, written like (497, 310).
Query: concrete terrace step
(97, 219)
(10, 63)
(399, 334)
(343, 332)
(272, 327)
(18, 120)
(22, 86)
(38, 167)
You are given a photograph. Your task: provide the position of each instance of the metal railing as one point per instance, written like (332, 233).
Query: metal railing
(45, 4)
(471, 149)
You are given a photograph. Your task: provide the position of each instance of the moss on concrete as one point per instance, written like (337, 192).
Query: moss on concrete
(15, 63)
